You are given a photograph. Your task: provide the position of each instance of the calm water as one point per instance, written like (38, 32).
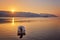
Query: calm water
(36, 28)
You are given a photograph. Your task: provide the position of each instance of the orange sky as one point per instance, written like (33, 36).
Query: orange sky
(36, 6)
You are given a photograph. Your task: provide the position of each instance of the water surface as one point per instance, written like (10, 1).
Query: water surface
(36, 28)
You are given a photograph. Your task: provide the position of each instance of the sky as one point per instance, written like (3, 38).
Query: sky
(35, 6)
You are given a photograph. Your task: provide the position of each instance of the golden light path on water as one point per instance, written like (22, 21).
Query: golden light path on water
(13, 21)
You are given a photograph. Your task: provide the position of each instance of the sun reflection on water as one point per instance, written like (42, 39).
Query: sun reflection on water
(13, 21)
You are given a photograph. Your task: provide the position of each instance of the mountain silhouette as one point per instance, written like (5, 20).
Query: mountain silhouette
(24, 14)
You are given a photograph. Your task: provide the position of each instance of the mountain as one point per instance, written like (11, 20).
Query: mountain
(5, 14)
(28, 14)
(24, 14)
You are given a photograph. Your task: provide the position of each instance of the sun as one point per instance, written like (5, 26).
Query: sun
(12, 10)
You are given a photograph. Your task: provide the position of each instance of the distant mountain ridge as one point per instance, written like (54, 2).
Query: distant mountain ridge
(5, 14)
(24, 14)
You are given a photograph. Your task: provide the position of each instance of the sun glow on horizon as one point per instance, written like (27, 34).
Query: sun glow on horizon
(12, 10)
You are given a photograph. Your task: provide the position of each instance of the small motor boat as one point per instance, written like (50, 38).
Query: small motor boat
(21, 31)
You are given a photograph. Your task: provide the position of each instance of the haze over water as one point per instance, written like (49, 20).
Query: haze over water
(36, 28)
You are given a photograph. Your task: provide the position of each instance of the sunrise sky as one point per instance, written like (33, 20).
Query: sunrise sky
(36, 6)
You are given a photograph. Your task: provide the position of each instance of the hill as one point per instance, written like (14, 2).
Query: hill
(24, 14)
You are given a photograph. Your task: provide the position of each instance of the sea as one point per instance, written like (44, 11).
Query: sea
(37, 28)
